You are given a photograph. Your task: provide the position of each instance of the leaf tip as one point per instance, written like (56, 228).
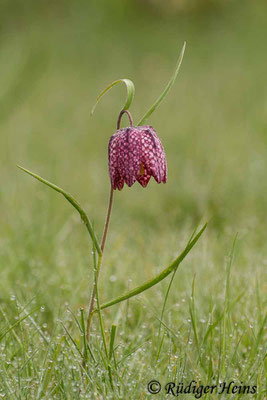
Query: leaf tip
(20, 167)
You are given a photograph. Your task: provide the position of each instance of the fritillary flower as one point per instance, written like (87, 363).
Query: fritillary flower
(135, 154)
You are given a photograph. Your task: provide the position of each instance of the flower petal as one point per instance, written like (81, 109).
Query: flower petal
(116, 180)
(153, 155)
(136, 153)
(129, 154)
(144, 177)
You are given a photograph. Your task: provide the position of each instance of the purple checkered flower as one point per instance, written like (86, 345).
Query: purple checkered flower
(135, 154)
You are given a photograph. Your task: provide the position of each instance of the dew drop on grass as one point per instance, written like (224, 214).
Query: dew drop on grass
(42, 309)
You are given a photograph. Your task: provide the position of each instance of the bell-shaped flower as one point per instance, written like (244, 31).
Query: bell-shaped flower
(135, 154)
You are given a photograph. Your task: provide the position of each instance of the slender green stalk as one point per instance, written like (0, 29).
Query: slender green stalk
(72, 201)
(159, 277)
(104, 237)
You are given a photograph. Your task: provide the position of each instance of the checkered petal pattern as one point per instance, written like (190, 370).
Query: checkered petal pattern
(136, 154)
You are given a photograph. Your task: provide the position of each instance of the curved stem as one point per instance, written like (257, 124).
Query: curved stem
(121, 114)
(103, 242)
(104, 237)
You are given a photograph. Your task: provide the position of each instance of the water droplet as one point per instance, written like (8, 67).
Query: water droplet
(113, 278)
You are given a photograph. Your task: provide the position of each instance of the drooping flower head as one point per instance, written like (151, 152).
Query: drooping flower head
(135, 154)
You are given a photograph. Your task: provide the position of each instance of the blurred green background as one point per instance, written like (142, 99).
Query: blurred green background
(55, 58)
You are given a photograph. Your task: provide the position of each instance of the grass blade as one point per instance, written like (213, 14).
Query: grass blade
(215, 323)
(225, 339)
(130, 93)
(192, 311)
(4, 332)
(84, 336)
(169, 288)
(72, 201)
(159, 277)
(166, 90)
(112, 339)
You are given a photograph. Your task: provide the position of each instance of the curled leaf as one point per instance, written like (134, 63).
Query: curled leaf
(130, 93)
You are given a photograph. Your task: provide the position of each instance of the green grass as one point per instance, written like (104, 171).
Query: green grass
(54, 61)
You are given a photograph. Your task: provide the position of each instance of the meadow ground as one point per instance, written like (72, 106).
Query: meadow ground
(54, 60)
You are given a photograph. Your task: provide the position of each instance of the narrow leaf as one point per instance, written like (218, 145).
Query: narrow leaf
(130, 93)
(166, 90)
(159, 277)
(73, 202)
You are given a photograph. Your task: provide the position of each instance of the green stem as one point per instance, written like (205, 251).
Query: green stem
(104, 237)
